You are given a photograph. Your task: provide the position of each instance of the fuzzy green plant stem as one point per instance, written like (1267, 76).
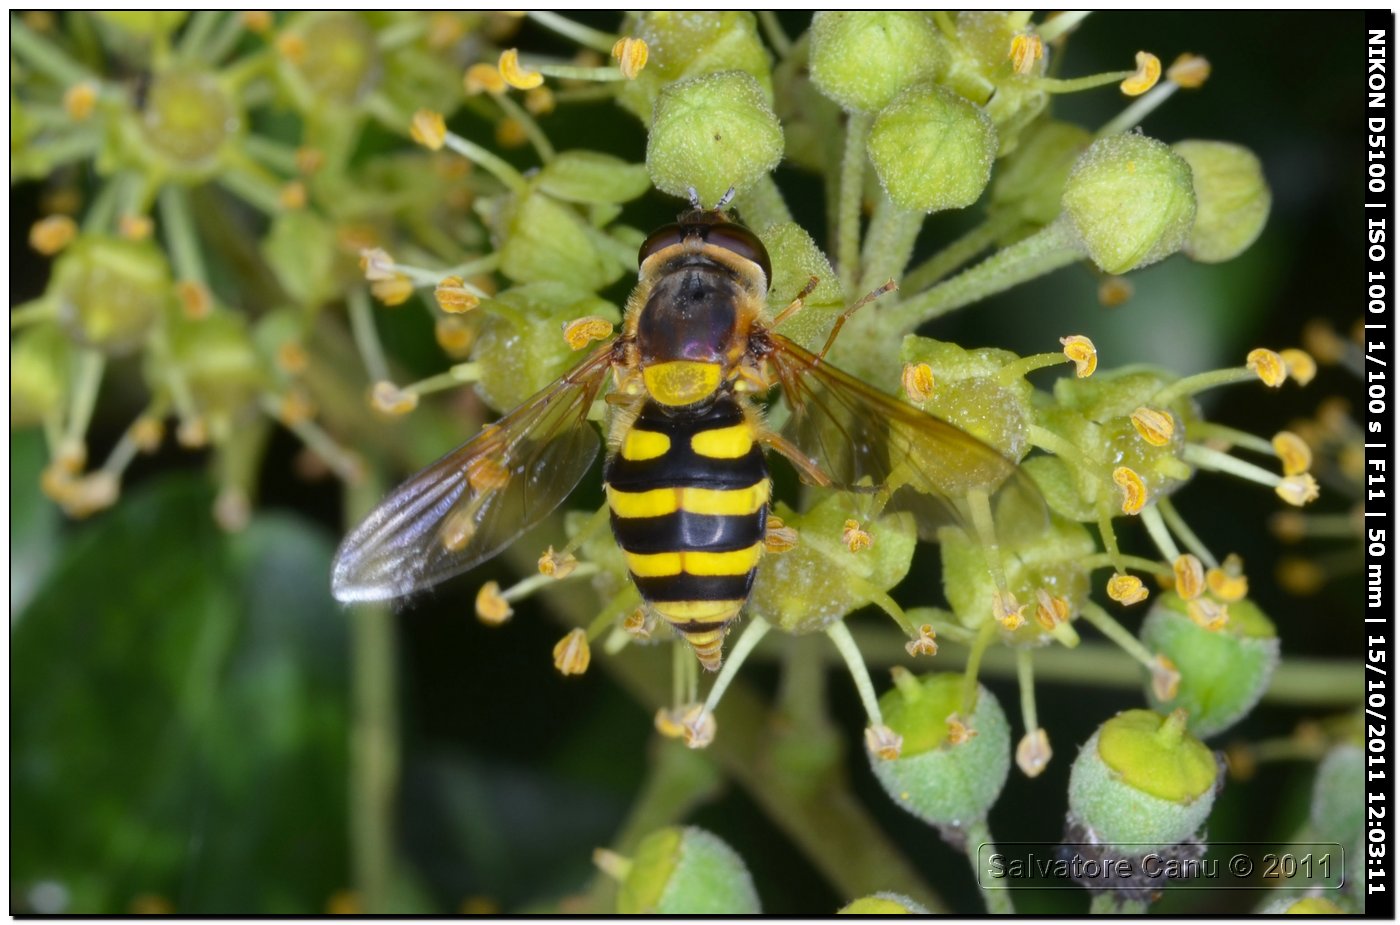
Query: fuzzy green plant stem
(978, 837)
(851, 190)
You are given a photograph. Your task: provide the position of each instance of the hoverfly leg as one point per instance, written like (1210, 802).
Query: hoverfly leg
(841, 319)
(797, 303)
(806, 467)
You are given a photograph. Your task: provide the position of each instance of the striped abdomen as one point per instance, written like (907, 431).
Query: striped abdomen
(688, 493)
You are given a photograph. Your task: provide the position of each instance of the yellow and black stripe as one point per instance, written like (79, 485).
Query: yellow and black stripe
(688, 492)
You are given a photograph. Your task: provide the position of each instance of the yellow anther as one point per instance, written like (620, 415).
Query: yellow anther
(147, 433)
(883, 742)
(135, 227)
(192, 433)
(80, 100)
(292, 196)
(1080, 350)
(539, 102)
(1300, 576)
(491, 607)
(1228, 581)
(428, 129)
(295, 407)
(1190, 576)
(483, 78)
(855, 537)
(1298, 489)
(631, 54)
(195, 299)
(1154, 426)
(778, 537)
(1189, 71)
(309, 160)
(1166, 680)
(388, 398)
(444, 29)
(50, 235)
(1323, 343)
(454, 297)
(556, 565)
(1126, 589)
(923, 644)
(581, 332)
(1240, 761)
(1292, 452)
(1208, 614)
(377, 264)
(290, 46)
(1114, 291)
(1149, 71)
(514, 74)
(510, 133)
(1134, 491)
(90, 494)
(1033, 752)
(486, 474)
(1007, 612)
(1289, 526)
(959, 732)
(258, 21)
(917, 380)
(571, 654)
(697, 726)
(1268, 366)
(292, 358)
(1300, 365)
(454, 336)
(1026, 49)
(394, 291)
(639, 624)
(1050, 611)
(668, 723)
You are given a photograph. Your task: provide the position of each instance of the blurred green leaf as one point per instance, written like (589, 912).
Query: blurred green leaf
(180, 725)
(34, 521)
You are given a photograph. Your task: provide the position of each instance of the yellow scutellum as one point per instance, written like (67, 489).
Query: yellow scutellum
(428, 128)
(483, 78)
(1190, 576)
(1268, 366)
(50, 235)
(1050, 611)
(1154, 426)
(292, 196)
(581, 332)
(539, 101)
(196, 302)
(1208, 614)
(1007, 612)
(514, 74)
(959, 732)
(1227, 581)
(388, 398)
(135, 227)
(923, 644)
(631, 54)
(376, 264)
(80, 100)
(883, 742)
(778, 537)
(147, 432)
(454, 297)
(1297, 490)
(917, 380)
(258, 21)
(1165, 679)
(1149, 71)
(1189, 71)
(392, 292)
(557, 565)
(1292, 452)
(1026, 49)
(1080, 350)
(638, 624)
(1114, 291)
(491, 607)
(572, 653)
(855, 537)
(1134, 491)
(1033, 752)
(1126, 589)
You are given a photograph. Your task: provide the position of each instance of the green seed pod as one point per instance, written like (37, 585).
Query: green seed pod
(1130, 200)
(863, 59)
(883, 904)
(39, 358)
(689, 43)
(547, 241)
(188, 119)
(796, 259)
(341, 61)
(1232, 199)
(712, 132)
(593, 177)
(109, 291)
(1338, 800)
(220, 365)
(1223, 673)
(821, 580)
(932, 149)
(686, 871)
(1031, 182)
(969, 394)
(1142, 779)
(521, 348)
(941, 782)
(1308, 905)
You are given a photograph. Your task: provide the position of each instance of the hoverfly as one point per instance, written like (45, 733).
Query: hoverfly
(686, 476)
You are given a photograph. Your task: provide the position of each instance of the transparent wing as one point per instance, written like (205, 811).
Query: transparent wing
(867, 441)
(471, 503)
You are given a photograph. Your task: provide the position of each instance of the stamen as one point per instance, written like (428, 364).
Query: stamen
(1026, 49)
(1268, 366)
(1149, 71)
(1228, 581)
(581, 332)
(50, 235)
(483, 78)
(1082, 353)
(1166, 679)
(1190, 576)
(80, 100)
(1033, 752)
(855, 537)
(454, 296)
(1295, 455)
(491, 606)
(557, 565)
(883, 742)
(1189, 71)
(1208, 614)
(631, 55)
(917, 380)
(924, 644)
(1297, 490)
(388, 398)
(1301, 367)
(514, 74)
(1133, 488)
(1126, 589)
(429, 129)
(1154, 426)
(572, 653)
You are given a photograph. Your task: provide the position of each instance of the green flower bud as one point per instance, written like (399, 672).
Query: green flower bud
(1232, 199)
(1142, 779)
(711, 133)
(109, 291)
(593, 177)
(796, 258)
(969, 394)
(341, 60)
(932, 149)
(1338, 800)
(144, 23)
(218, 361)
(689, 43)
(547, 241)
(301, 249)
(941, 782)
(822, 579)
(1308, 905)
(883, 903)
(686, 871)
(1223, 673)
(1032, 181)
(521, 348)
(39, 358)
(1130, 200)
(189, 117)
(863, 59)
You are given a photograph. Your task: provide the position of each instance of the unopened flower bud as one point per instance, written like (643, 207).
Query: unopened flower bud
(1033, 752)
(1232, 199)
(686, 871)
(862, 59)
(932, 149)
(883, 904)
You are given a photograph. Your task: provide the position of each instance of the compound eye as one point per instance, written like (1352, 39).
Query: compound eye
(660, 239)
(741, 241)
